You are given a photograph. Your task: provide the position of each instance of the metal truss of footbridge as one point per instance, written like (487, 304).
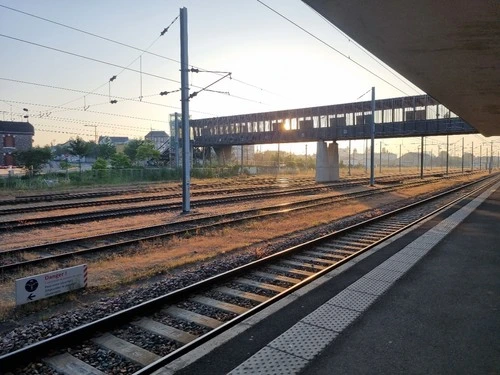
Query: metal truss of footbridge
(411, 116)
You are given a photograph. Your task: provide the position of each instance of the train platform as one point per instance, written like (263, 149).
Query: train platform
(424, 302)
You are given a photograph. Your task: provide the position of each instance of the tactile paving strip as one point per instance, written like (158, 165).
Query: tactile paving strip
(304, 340)
(407, 258)
(395, 265)
(332, 317)
(269, 361)
(353, 300)
(383, 274)
(371, 286)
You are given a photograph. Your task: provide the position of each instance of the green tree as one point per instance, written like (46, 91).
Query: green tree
(60, 150)
(120, 161)
(106, 150)
(100, 163)
(147, 151)
(64, 164)
(131, 148)
(34, 158)
(78, 147)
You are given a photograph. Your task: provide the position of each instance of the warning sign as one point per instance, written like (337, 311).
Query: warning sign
(33, 288)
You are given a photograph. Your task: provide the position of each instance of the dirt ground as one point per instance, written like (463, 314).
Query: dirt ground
(149, 261)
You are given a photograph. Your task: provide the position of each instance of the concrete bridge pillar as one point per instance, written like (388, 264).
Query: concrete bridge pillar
(327, 162)
(223, 154)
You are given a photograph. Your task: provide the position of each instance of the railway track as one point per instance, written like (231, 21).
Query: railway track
(145, 337)
(25, 257)
(23, 223)
(262, 182)
(16, 259)
(90, 199)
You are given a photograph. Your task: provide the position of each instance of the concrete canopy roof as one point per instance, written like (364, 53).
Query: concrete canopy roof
(448, 48)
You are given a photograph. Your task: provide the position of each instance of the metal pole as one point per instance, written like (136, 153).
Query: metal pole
(472, 157)
(372, 151)
(186, 172)
(349, 167)
(447, 152)
(399, 158)
(380, 157)
(279, 158)
(306, 158)
(241, 158)
(480, 156)
(176, 139)
(462, 154)
(422, 157)
(366, 155)
(491, 160)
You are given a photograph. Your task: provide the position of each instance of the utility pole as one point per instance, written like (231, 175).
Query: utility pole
(399, 158)
(462, 154)
(349, 167)
(306, 157)
(480, 156)
(95, 131)
(176, 139)
(372, 151)
(279, 162)
(422, 158)
(447, 152)
(241, 159)
(366, 155)
(186, 170)
(380, 157)
(491, 160)
(472, 158)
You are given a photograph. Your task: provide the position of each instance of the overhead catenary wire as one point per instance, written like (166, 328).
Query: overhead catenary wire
(95, 60)
(369, 54)
(88, 58)
(87, 122)
(332, 47)
(144, 51)
(93, 93)
(81, 109)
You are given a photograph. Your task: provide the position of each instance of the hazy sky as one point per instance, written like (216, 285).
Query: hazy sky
(274, 64)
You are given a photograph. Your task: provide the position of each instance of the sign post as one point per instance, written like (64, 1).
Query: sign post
(34, 288)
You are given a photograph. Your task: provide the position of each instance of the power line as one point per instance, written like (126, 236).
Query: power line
(86, 122)
(87, 58)
(86, 32)
(331, 47)
(93, 93)
(125, 45)
(96, 60)
(81, 110)
(133, 61)
(369, 54)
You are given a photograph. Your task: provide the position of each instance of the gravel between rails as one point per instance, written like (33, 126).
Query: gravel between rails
(24, 335)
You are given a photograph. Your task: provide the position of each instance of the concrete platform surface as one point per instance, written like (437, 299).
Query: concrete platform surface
(426, 303)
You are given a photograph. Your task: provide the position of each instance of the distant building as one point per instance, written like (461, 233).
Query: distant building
(15, 136)
(160, 139)
(118, 142)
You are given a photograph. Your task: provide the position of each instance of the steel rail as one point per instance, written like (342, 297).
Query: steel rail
(18, 357)
(198, 224)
